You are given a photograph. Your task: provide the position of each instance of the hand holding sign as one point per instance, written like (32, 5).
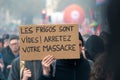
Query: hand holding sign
(46, 62)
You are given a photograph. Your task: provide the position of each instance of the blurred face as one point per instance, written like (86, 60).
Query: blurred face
(80, 45)
(14, 45)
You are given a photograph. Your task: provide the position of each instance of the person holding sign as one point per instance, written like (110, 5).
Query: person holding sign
(66, 69)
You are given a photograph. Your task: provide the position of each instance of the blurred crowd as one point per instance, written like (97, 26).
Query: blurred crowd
(9, 50)
(99, 57)
(9, 55)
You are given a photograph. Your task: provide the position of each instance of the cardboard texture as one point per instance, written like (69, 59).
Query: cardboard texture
(38, 41)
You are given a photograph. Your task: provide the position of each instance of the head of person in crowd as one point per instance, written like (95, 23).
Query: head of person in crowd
(100, 70)
(94, 46)
(14, 44)
(5, 36)
(5, 40)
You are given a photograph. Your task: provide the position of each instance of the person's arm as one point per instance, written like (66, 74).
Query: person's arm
(14, 73)
(46, 66)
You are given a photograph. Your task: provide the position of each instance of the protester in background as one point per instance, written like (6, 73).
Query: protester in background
(94, 46)
(5, 40)
(101, 71)
(66, 69)
(10, 53)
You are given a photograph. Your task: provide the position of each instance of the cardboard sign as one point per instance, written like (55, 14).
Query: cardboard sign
(38, 41)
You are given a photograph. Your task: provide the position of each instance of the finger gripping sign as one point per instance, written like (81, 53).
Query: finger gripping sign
(38, 41)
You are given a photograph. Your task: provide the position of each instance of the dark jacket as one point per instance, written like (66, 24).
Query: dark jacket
(1, 75)
(34, 66)
(14, 73)
(8, 57)
(77, 69)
